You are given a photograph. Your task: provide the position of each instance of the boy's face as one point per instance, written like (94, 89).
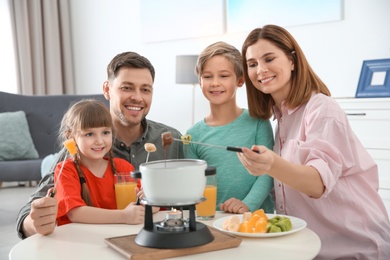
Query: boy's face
(219, 81)
(130, 95)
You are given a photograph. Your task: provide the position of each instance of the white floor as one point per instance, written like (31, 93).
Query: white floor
(12, 198)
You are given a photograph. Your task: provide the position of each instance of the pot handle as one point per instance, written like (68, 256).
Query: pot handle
(210, 170)
(136, 174)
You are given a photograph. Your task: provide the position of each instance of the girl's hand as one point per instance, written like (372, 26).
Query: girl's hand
(134, 214)
(257, 163)
(234, 205)
(155, 209)
(141, 195)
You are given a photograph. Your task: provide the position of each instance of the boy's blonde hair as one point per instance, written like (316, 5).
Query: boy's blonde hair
(223, 49)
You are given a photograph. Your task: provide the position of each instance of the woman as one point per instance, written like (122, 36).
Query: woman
(321, 171)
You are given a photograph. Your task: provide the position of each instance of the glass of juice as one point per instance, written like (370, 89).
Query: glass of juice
(206, 209)
(125, 189)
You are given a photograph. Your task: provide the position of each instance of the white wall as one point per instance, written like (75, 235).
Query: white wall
(335, 50)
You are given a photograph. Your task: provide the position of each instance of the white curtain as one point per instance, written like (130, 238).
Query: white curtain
(43, 46)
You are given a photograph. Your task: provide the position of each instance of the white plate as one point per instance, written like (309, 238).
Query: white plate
(297, 224)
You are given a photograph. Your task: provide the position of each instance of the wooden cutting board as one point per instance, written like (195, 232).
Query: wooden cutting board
(127, 246)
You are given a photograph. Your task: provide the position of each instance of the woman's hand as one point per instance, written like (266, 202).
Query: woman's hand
(257, 163)
(303, 178)
(234, 205)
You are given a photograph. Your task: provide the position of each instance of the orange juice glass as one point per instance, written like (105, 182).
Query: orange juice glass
(124, 190)
(206, 209)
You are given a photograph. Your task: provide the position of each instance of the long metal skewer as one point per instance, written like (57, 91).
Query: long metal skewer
(70, 148)
(229, 148)
(65, 154)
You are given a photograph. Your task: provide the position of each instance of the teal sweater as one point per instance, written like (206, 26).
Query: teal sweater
(233, 180)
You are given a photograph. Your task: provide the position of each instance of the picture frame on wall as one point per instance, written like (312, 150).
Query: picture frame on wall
(374, 79)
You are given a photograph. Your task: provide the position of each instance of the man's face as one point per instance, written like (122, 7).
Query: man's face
(130, 95)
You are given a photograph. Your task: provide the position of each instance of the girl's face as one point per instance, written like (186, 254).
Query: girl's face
(219, 81)
(94, 143)
(269, 69)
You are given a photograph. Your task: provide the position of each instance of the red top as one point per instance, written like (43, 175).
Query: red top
(101, 190)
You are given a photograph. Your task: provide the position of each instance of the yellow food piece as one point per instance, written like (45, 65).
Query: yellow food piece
(185, 138)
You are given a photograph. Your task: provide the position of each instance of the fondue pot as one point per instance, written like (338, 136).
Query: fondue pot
(170, 182)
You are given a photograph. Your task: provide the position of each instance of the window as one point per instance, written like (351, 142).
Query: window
(7, 52)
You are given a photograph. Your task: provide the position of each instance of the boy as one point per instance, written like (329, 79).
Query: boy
(220, 72)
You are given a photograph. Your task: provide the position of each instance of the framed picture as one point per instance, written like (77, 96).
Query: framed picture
(374, 79)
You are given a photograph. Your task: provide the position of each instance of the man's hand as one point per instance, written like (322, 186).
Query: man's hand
(42, 217)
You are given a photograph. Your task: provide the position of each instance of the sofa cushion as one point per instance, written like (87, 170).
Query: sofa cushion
(15, 138)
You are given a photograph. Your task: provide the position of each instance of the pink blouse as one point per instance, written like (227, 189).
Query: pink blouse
(350, 217)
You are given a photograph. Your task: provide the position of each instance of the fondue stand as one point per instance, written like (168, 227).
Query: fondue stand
(174, 231)
(165, 185)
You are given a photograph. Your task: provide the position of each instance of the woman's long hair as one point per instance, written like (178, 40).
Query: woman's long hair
(303, 79)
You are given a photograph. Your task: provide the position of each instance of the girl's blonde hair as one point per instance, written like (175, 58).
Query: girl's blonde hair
(85, 114)
(303, 79)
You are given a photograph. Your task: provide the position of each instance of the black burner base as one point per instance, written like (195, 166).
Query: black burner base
(171, 239)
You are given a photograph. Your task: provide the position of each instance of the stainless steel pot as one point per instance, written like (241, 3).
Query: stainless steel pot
(171, 182)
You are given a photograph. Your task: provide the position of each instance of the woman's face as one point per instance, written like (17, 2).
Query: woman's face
(269, 69)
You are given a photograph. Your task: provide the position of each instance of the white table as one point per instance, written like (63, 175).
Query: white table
(86, 241)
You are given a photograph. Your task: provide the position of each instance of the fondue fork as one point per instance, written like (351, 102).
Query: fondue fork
(63, 153)
(229, 148)
(70, 147)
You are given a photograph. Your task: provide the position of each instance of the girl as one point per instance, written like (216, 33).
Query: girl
(322, 172)
(85, 189)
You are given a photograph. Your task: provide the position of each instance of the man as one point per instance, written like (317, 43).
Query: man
(129, 89)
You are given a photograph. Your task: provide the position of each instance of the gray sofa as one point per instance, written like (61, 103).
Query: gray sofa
(44, 114)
